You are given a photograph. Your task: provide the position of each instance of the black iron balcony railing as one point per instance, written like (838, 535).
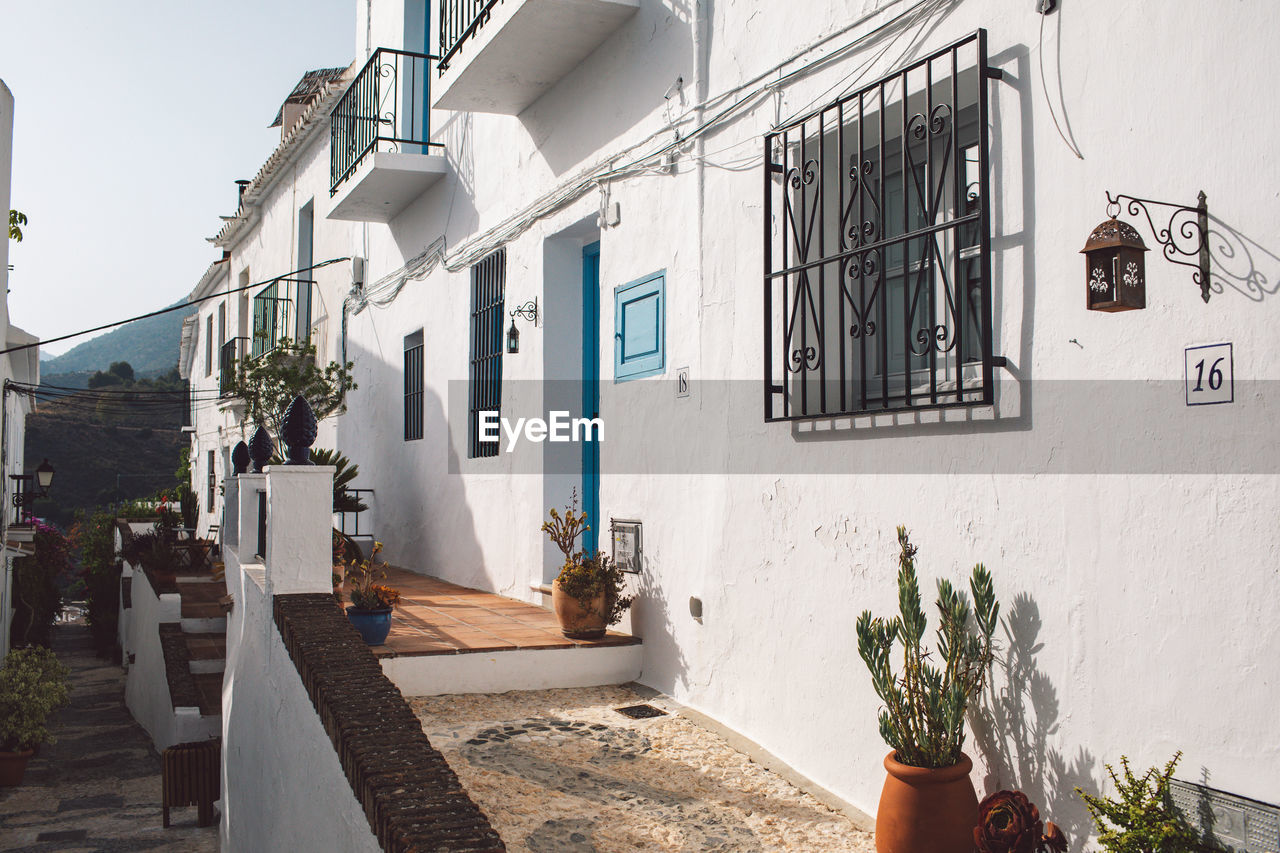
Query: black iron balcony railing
(459, 20)
(230, 354)
(281, 310)
(386, 108)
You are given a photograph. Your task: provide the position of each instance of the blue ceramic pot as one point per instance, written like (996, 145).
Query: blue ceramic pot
(373, 625)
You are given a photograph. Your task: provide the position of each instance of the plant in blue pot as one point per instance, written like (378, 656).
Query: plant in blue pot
(371, 602)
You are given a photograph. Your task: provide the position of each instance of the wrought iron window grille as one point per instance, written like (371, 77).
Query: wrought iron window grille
(414, 355)
(386, 108)
(484, 388)
(877, 285)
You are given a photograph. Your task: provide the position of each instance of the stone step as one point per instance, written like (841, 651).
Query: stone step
(204, 624)
(209, 688)
(207, 652)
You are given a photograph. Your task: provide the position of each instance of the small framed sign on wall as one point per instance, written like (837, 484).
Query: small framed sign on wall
(1210, 374)
(627, 544)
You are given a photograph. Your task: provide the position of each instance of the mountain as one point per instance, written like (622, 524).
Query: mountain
(150, 345)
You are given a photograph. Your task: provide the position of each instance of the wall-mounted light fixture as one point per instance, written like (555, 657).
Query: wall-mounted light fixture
(528, 311)
(1115, 274)
(23, 493)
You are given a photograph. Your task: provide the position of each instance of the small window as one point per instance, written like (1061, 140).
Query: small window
(213, 482)
(413, 366)
(639, 317)
(488, 290)
(208, 346)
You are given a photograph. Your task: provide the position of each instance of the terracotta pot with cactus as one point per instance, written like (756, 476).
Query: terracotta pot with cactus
(928, 804)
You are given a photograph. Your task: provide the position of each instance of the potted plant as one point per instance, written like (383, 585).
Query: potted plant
(371, 602)
(1142, 818)
(587, 594)
(928, 804)
(33, 684)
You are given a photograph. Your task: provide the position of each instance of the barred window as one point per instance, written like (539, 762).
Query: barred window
(877, 254)
(488, 291)
(413, 385)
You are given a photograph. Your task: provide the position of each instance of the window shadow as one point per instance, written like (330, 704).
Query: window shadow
(1014, 721)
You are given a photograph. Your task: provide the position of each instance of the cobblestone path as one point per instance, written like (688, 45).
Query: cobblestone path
(562, 771)
(98, 788)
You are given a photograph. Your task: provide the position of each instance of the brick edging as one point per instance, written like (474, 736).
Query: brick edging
(410, 796)
(177, 666)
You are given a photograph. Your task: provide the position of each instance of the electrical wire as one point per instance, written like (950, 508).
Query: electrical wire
(171, 308)
(1044, 87)
(385, 290)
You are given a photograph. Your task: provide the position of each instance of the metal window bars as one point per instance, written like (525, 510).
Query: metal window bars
(488, 286)
(413, 386)
(387, 107)
(877, 285)
(228, 357)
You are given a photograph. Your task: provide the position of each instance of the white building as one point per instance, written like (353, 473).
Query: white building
(641, 169)
(22, 365)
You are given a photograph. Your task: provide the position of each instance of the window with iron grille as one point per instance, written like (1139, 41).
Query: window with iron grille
(877, 248)
(488, 286)
(213, 482)
(413, 366)
(208, 346)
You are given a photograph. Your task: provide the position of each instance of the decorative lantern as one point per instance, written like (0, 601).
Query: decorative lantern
(513, 338)
(44, 477)
(1115, 271)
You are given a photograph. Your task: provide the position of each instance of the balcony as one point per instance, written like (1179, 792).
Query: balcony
(281, 311)
(230, 355)
(381, 156)
(500, 57)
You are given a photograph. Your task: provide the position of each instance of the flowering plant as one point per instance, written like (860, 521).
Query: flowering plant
(362, 587)
(1008, 822)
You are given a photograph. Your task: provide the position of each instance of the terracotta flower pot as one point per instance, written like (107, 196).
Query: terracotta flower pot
(12, 767)
(924, 810)
(578, 622)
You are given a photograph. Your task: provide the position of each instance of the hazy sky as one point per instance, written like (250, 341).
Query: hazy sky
(132, 121)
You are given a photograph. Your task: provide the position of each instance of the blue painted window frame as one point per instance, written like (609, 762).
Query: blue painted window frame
(655, 363)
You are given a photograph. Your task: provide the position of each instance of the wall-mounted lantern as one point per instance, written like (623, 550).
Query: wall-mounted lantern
(528, 311)
(1115, 274)
(1115, 271)
(24, 494)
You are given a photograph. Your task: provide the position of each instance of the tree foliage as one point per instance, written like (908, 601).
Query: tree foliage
(94, 538)
(16, 220)
(37, 598)
(33, 684)
(268, 384)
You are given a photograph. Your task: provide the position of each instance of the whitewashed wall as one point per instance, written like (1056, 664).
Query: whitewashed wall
(283, 787)
(146, 688)
(1135, 587)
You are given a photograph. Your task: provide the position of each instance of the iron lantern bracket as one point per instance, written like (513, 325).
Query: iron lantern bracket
(527, 311)
(1185, 235)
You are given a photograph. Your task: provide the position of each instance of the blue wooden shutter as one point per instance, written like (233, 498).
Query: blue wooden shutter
(639, 334)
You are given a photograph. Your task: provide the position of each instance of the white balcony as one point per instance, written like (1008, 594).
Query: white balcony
(512, 52)
(384, 184)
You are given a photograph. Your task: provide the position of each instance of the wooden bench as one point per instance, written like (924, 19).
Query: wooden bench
(192, 776)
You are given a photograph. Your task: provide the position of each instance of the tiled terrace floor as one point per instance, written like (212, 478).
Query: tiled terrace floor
(435, 617)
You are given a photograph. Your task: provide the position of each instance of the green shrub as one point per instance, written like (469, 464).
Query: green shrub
(1141, 818)
(33, 684)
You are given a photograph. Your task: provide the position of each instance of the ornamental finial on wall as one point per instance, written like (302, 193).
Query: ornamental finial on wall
(299, 431)
(260, 449)
(240, 458)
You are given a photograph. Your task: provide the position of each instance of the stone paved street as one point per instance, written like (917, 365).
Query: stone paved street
(561, 771)
(98, 787)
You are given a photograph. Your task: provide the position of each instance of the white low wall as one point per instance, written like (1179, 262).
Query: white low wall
(521, 669)
(146, 691)
(282, 786)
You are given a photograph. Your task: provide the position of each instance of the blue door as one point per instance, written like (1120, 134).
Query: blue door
(591, 393)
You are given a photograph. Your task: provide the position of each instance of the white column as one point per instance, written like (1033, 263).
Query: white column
(247, 516)
(231, 512)
(299, 554)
